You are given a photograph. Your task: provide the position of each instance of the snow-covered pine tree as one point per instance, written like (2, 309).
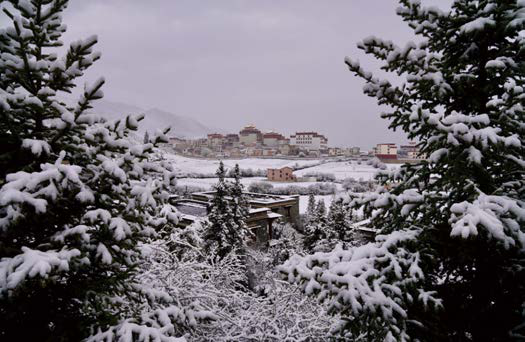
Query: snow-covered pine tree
(222, 233)
(320, 210)
(316, 231)
(310, 209)
(337, 221)
(448, 262)
(239, 204)
(77, 197)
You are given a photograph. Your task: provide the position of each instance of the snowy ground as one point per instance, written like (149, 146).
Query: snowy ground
(339, 169)
(192, 165)
(342, 170)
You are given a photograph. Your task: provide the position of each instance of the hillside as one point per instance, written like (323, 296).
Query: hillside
(181, 126)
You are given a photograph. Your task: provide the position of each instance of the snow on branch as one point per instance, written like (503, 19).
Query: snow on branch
(33, 263)
(377, 277)
(501, 217)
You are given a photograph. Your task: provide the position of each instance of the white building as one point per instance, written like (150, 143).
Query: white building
(311, 141)
(386, 151)
(411, 151)
(273, 139)
(215, 139)
(250, 135)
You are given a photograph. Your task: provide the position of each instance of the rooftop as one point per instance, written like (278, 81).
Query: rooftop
(273, 135)
(192, 207)
(315, 134)
(254, 197)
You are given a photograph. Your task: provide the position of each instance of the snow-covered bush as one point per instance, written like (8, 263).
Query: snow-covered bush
(245, 173)
(376, 163)
(321, 176)
(448, 262)
(213, 292)
(314, 189)
(352, 185)
(286, 241)
(260, 187)
(196, 175)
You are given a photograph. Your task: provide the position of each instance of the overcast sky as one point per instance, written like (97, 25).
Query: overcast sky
(277, 64)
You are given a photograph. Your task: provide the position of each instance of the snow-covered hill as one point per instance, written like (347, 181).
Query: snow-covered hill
(181, 126)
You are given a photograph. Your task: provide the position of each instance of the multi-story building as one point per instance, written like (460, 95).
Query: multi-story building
(267, 152)
(284, 174)
(335, 151)
(309, 141)
(386, 151)
(199, 142)
(254, 151)
(273, 139)
(215, 139)
(250, 135)
(354, 151)
(231, 140)
(411, 151)
(285, 149)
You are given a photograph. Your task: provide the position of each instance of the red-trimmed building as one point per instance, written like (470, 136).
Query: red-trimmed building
(273, 139)
(250, 135)
(386, 151)
(215, 139)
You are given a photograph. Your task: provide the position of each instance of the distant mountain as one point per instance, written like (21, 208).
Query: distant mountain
(154, 119)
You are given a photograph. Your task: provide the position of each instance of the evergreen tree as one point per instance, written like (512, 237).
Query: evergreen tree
(320, 211)
(310, 210)
(338, 221)
(224, 232)
(77, 197)
(448, 262)
(239, 203)
(316, 231)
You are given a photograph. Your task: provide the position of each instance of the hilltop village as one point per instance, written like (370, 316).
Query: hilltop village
(252, 142)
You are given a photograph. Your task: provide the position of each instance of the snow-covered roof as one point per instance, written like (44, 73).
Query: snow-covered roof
(258, 210)
(192, 208)
(254, 197)
(274, 215)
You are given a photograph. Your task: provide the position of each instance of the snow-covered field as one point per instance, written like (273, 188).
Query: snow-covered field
(342, 170)
(193, 165)
(339, 169)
